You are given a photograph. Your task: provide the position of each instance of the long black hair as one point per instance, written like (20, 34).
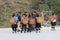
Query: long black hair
(13, 14)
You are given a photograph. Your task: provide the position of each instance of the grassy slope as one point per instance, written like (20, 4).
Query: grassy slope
(7, 7)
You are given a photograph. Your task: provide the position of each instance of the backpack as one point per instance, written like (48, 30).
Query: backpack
(31, 21)
(24, 20)
(51, 18)
(39, 20)
(11, 20)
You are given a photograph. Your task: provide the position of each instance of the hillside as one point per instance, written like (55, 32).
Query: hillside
(7, 7)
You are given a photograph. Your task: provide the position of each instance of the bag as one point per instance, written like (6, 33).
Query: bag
(31, 21)
(24, 20)
(11, 20)
(39, 20)
(51, 18)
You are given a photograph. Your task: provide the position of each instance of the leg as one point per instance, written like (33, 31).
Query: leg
(12, 27)
(18, 28)
(28, 28)
(39, 26)
(36, 27)
(15, 28)
(53, 26)
(25, 28)
(22, 28)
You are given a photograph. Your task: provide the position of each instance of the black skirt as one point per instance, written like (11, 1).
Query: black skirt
(53, 23)
(38, 25)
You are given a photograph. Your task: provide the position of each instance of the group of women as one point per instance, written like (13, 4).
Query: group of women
(25, 22)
